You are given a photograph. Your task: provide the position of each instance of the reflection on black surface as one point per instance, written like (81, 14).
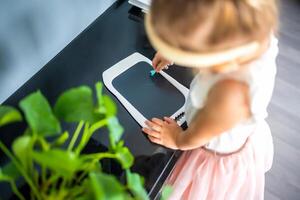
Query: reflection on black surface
(148, 166)
(155, 168)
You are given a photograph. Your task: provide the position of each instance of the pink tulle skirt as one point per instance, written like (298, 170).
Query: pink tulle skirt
(202, 174)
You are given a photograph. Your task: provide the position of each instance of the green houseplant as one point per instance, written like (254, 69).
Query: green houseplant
(56, 168)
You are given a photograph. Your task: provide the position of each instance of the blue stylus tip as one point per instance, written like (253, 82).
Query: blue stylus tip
(152, 72)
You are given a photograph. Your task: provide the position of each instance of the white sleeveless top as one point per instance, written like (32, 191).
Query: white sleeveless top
(260, 77)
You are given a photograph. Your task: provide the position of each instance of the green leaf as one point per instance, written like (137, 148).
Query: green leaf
(166, 192)
(4, 177)
(22, 147)
(9, 115)
(65, 163)
(76, 105)
(39, 115)
(110, 106)
(124, 156)
(115, 130)
(9, 172)
(106, 187)
(136, 184)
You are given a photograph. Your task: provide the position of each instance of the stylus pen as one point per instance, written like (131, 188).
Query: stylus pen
(152, 72)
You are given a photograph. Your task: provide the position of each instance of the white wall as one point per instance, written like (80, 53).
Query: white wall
(34, 31)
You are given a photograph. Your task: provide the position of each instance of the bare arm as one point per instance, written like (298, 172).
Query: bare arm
(227, 104)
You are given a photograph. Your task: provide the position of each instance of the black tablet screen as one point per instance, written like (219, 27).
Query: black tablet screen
(152, 96)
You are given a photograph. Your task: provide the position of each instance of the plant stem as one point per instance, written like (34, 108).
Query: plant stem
(82, 176)
(86, 171)
(96, 158)
(99, 87)
(15, 190)
(54, 185)
(99, 156)
(52, 179)
(87, 133)
(21, 169)
(77, 192)
(75, 136)
(97, 125)
(35, 176)
(84, 139)
(63, 184)
(44, 144)
(44, 174)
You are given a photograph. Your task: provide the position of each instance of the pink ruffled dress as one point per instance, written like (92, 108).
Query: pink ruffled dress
(232, 165)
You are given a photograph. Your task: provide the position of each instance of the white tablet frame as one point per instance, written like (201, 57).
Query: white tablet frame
(111, 73)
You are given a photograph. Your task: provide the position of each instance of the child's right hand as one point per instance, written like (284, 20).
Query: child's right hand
(160, 62)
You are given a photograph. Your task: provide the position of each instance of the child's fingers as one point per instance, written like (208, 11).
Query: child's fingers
(161, 66)
(152, 133)
(158, 121)
(155, 61)
(153, 126)
(157, 67)
(169, 120)
(154, 140)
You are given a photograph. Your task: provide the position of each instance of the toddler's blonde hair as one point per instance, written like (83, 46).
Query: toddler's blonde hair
(213, 25)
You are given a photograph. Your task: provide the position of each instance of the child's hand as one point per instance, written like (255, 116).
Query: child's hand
(163, 132)
(160, 63)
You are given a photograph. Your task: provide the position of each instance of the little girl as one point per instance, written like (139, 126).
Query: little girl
(227, 147)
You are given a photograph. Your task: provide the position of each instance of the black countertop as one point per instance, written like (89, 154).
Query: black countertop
(113, 36)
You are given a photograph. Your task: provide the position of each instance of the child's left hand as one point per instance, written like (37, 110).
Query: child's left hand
(164, 132)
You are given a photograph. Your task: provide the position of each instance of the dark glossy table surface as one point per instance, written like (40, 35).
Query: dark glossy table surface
(113, 36)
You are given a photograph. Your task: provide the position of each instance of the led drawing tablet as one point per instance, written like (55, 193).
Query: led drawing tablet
(145, 96)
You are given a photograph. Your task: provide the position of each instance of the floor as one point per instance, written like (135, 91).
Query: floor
(283, 181)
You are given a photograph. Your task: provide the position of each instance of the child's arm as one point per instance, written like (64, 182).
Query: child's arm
(227, 104)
